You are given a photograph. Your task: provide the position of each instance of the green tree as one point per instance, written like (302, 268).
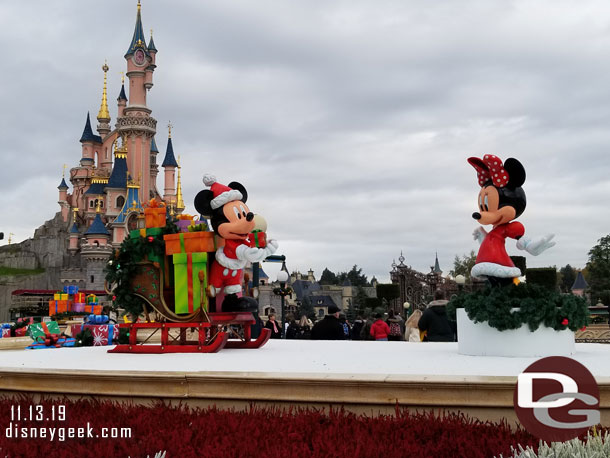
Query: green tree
(567, 277)
(306, 308)
(463, 265)
(598, 269)
(360, 299)
(328, 277)
(388, 291)
(355, 276)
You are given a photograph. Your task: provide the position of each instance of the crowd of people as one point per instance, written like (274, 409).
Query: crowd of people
(430, 325)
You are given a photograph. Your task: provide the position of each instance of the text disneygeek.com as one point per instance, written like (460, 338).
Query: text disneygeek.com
(61, 433)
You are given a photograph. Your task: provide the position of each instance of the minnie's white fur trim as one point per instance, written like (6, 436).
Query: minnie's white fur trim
(490, 269)
(209, 180)
(226, 197)
(229, 263)
(232, 289)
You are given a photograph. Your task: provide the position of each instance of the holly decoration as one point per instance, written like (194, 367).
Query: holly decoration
(123, 266)
(537, 306)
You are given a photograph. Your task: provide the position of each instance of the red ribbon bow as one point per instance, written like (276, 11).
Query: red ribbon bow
(490, 168)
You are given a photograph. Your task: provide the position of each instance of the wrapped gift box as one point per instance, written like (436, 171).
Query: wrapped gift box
(71, 289)
(97, 319)
(78, 307)
(191, 242)
(61, 342)
(151, 231)
(56, 307)
(79, 298)
(155, 217)
(258, 239)
(188, 289)
(93, 308)
(102, 333)
(57, 296)
(42, 329)
(91, 299)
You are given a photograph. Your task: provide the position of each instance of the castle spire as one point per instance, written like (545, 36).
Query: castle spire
(170, 159)
(104, 114)
(151, 43)
(179, 201)
(138, 40)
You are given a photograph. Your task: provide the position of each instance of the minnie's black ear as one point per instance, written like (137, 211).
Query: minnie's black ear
(203, 201)
(240, 188)
(516, 172)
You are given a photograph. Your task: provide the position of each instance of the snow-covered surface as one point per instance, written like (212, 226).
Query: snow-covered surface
(299, 357)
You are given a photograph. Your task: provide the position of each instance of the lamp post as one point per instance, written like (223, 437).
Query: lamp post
(460, 280)
(282, 291)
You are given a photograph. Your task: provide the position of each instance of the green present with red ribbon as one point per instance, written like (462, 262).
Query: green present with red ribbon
(190, 280)
(36, 330)
(155, 233)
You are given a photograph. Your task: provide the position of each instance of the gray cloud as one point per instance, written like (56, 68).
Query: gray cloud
(349, 122)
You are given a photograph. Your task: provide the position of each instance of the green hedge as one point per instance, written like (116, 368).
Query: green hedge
(543, 276)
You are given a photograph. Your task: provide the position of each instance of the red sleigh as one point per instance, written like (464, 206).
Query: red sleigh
(196, 332)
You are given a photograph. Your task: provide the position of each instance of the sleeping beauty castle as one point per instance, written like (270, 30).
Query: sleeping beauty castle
(116, 176)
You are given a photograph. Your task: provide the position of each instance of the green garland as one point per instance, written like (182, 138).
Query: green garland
(123, 266)
(537, 306)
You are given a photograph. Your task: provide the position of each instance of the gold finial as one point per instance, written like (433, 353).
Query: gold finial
(169, 127)
(139, 6)
(64, 172)
(10, 237)
(122, 77)
(98, 207)
(104, 114)
(180, 204)
(151, 33)
(171, 208)
(74, 212)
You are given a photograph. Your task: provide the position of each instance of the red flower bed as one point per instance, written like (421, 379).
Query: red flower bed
(264, 432)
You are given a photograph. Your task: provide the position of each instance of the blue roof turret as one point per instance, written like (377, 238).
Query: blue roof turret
(122, 95)
(138, 40)
(88, 135)
(170, 159)
(74, 229)
(118, 177)
(97, 227)
(153, 146)
(63, 184)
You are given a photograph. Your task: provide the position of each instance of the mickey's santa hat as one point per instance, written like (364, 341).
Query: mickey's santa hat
(222, 194)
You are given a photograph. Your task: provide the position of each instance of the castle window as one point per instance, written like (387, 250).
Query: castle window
(120, 201)
(91, 204)
(92, 278)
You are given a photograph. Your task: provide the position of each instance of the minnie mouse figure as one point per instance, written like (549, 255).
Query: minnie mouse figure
(501, 200)
(233, 221)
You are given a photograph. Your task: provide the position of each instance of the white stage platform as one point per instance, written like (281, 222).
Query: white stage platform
(360, 376)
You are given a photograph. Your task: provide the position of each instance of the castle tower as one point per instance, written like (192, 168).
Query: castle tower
(74, 234)
(116, 188)
(122, 98)
(136, 124)
(169, 164)
(96, 251)
(63, 199)
(179, 200)
(103, 116)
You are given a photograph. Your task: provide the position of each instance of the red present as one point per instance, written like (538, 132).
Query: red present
(79, 297)
(258, 239)
(102, 333)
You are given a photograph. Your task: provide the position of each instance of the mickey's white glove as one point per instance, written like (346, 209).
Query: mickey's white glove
(479, 234)
(535, 247)
(246, 253)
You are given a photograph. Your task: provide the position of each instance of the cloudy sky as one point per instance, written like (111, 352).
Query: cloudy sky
(349, 122)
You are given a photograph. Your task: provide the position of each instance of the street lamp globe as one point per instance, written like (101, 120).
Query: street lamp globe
(460, 279)
(282, 276)
(406, 306)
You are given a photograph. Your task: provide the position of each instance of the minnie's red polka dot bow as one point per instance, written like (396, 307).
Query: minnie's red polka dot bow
(490, 168)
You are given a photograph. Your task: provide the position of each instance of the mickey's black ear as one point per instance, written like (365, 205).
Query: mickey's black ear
(516, 172)
(240, 188)
(203, 201)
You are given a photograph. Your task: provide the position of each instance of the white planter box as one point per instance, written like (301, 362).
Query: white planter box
(480, 339)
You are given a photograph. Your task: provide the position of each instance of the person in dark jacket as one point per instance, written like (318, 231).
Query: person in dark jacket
(330, 328)
(357, 328)
(276, 330)
(255, 329)
(434, 321)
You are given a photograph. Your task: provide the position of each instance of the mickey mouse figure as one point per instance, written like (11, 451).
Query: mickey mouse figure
(501, 200)
(233, 221)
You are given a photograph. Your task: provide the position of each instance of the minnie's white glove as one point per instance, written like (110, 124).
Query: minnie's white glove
(535, 247)
(479, 234)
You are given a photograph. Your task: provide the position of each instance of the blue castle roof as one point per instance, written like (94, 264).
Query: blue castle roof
(97, 227)
(170, 159)
(151, 45)
(122, 95)
(153, 146)
(74, 229)
(128, 207)
(138, 40)
(118, 177)
(88, 135)
(96, 189)
(63, 184)
(580, 282)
